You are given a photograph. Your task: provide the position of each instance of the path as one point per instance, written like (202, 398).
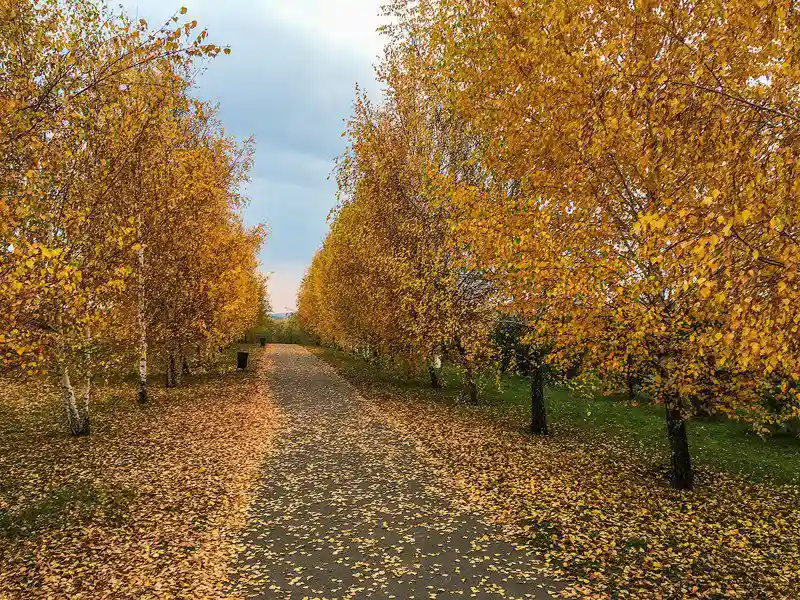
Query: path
(346, 509)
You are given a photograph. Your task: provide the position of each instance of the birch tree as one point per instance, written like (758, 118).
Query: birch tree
(75, 202)
(628, 128)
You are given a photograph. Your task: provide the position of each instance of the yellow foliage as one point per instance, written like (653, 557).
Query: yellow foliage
(103, 155)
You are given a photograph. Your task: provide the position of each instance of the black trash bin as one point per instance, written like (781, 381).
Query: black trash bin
(241, 360)
(262, 341)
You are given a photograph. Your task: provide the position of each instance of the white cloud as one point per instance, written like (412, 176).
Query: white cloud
(349, 24)
(345, 23)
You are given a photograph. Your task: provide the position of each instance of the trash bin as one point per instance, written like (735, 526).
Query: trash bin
(262, 341)
(241, 360)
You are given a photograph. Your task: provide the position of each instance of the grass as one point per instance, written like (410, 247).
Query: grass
(592, 498)
(716, 444)
(146, 506)
(78, 502)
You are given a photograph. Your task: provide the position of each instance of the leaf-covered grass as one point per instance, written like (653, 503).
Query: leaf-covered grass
(71, 503)
(716, 443)
(593, 499)
(148, 505)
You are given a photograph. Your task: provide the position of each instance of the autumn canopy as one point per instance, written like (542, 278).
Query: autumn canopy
(617, 178)
(120, 231)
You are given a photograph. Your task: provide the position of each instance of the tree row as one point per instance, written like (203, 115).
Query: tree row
(614, 183)
(120, 230)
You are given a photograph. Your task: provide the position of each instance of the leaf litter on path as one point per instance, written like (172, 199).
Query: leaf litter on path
(347, 510)
(597, 513)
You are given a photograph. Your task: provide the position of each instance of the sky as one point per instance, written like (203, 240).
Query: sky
(290, 83)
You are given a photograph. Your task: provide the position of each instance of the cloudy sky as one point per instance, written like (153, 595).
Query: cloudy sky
(289, 82)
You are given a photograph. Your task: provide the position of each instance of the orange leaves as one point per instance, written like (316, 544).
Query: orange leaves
(391, 275)
(199, 277)
(103, 163)
(607, 161)
(590, 505)
(152, 506)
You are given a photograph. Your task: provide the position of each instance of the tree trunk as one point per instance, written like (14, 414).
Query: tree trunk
(76, 425)
(631, 384)
(87, 395)
(85, 428)
(538, 408)
(472, 386)
(434, 370)
(178, 368)
(681, 476)
(434, 375)
(142, 397)
(505, 360)
(170, 375)
(141, 323)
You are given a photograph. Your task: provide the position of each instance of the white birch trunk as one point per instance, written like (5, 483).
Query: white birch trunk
(87, 396)
(434, 368)
(141, 322)
(71, 411)
(70, 404)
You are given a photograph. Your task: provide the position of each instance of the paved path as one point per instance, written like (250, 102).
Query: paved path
(346, 509)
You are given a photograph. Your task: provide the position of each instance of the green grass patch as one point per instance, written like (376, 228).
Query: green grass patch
(716, 443)
(73, 504)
